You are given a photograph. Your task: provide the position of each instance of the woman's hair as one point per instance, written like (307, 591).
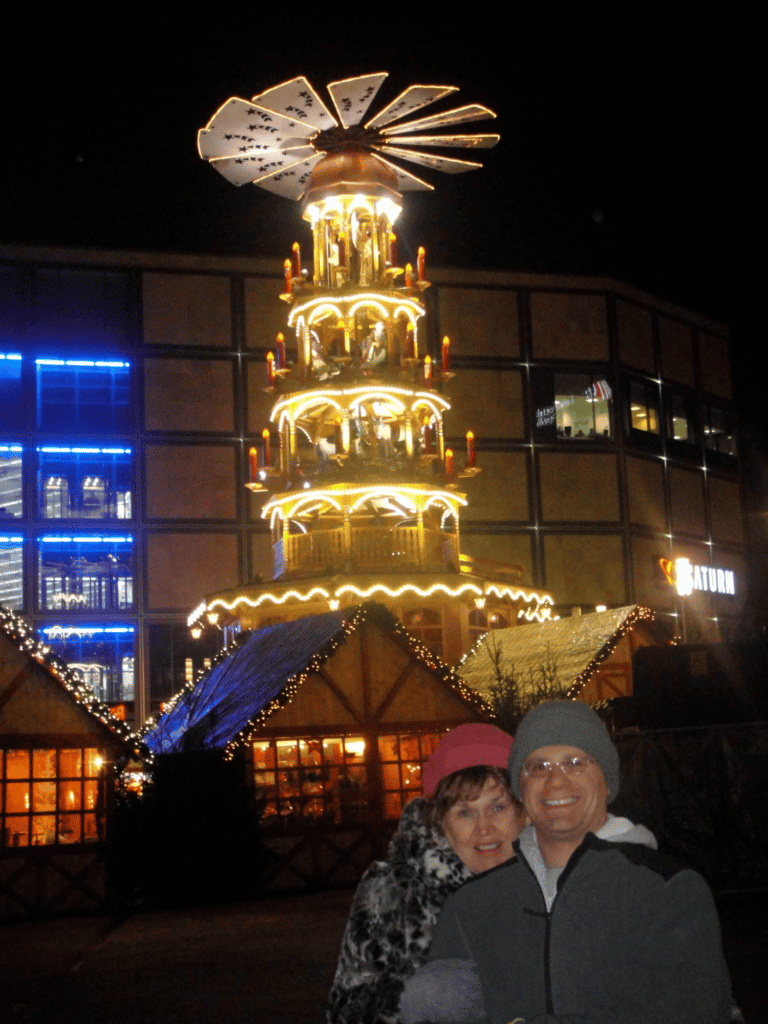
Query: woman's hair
(465, 784)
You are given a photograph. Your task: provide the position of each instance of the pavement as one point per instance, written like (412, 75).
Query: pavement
(268, 961)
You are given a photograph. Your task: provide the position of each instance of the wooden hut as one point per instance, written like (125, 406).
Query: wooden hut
(59, 749)
(332, 716)
(591, 654)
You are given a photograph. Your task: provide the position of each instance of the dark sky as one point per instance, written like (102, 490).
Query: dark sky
(625, 151)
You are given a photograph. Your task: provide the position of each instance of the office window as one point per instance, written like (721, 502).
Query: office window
(644, 407)
(719, 430)
(10, 388)
(101, 656)
(175, 658)
(11, 572)
(52, 796)
(81, 573)
(572, 406)
(680, 418)
(83, 395)
(84, 483)
(10, 481)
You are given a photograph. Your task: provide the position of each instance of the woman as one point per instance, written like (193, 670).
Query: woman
(465, 824)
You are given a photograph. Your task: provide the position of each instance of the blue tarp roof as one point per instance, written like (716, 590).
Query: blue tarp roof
(236, 690)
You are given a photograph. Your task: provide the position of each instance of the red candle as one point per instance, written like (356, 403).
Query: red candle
(446, 354)
(265, 443)
(470, 448)
(296, 260)
(253, 457)
(408, 275)
(427, 368)
(392, 249)
(420, 262)
(280, 352)
(271, 368)
(287, 269)
(448, 462)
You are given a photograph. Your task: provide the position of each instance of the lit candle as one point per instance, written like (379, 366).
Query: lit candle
(253, 458)
(287, 269)
(446, 354)
(280, 352)
(296, 260)
(448, 462)
(271, 368)
(427, 368)
(470, 448)
(265, 443)
(408, 275)
(392, 249)
(420, 262)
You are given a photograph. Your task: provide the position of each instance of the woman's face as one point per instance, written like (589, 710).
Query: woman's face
(481, 830)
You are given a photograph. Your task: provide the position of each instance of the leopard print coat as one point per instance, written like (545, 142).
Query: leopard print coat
(390, 925)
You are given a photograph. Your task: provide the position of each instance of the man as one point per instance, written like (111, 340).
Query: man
(589, 924)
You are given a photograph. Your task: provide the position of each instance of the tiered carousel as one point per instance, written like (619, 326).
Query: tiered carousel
(362, 496)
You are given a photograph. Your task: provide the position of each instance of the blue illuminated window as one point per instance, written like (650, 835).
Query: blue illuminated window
(10, 388)
(84, 483)
(11, 571)
(102, 656)
(83, 394)
(10, 481)
(85, 573)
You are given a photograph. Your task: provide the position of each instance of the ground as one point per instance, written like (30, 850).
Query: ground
(262, 962)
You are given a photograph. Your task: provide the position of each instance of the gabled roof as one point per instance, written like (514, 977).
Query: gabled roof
(262, 674)
(15, 630)
(575, 646)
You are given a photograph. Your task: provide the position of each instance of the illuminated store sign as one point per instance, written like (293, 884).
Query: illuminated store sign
(686, 577)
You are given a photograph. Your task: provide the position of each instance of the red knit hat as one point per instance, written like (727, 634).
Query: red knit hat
(465, 747)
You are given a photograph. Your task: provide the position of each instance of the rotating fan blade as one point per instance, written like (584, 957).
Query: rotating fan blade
(452, 141)
(460, 115)
(299, 101)
(353, 96)
(407, 182)
(413, 98)
(238, 123)
(437, 163)
(245, 169)
(292, 180)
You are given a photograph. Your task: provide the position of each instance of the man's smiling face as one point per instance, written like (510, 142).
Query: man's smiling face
(563, 808)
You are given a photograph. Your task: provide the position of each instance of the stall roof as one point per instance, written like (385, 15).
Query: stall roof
(574, 646)
(261, 674)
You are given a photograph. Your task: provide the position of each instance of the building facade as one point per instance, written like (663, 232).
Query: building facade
(135, 384)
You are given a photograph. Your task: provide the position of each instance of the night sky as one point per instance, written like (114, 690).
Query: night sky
(627, 151)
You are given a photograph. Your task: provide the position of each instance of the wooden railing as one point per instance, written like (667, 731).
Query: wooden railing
(393, 549)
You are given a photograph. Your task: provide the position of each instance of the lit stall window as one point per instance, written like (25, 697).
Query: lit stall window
(78, 573)
(11, 571)
(401, 759)
(52, 796)
(101, 656)
(10, 481)
(83, 395)
(84, 482)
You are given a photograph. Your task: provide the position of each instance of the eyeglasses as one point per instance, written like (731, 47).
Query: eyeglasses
(570, 766)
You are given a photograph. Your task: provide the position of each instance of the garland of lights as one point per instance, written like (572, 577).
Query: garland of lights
(16, 629)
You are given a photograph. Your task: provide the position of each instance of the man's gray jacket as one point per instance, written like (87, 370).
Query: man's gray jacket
(631, 938)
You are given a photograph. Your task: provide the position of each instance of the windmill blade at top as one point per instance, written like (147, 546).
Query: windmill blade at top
(353, 96)
(453, 141)
(437, 163)
(460, 115)
(298, 100)
(240, 126)
(411, 99)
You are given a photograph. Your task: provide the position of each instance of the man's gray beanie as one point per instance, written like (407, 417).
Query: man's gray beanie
(564, 723)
